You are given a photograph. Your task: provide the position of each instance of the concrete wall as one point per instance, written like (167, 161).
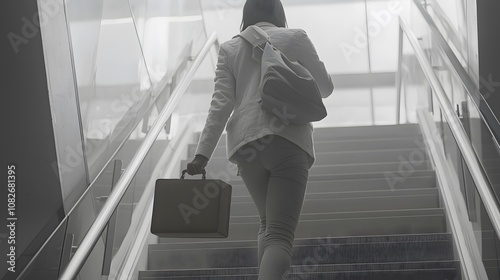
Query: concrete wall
(489, 51)
(29, 131)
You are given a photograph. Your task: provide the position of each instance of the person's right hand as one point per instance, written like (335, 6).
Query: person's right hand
(197, 165)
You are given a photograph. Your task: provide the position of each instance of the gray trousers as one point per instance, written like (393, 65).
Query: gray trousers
(275, 171)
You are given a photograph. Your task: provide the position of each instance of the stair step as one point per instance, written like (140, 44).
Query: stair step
(229, 169)
(383, 222)
(371, 211)
(194, 243)
(354, 194)
(366, 167)
(368, 176)
(239, 188)
(367, 132)
(353, 157)
(338, 145)
(355, 132)
(396, 160)
(333, 170)
(226, 169)
(389, 271)
(343, 250)
(351, 201)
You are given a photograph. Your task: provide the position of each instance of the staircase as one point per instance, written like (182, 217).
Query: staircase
(354, 223)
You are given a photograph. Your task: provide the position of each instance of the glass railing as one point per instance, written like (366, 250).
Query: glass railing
(127, 204)
(482, 127)
(450, 19)
(121, 51)
(467, 191)
(125, 52)
(58, 249)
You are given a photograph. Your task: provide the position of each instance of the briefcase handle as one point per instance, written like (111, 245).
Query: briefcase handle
(203, 173)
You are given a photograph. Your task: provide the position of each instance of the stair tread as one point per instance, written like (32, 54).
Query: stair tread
(343, 250)
(353, 165)
(354, 194)
(410, 139)
(311, 225)
(352, 215)
(318, 268)
(358, 132)
(311, 241)
(350, 176)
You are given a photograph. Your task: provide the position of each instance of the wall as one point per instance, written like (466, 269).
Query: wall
(488, 22)
(30, 135)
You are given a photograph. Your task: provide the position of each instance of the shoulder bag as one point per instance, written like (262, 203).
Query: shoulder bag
(288, 89)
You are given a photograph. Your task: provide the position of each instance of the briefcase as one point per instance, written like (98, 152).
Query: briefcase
(191, 208)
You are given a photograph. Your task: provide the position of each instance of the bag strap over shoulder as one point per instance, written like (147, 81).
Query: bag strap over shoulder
(255, 36)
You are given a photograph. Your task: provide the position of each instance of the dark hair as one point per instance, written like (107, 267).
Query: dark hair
(263, 10)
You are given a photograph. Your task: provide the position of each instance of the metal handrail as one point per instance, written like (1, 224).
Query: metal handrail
(93, 182)
(465, 146)
(122, 185)
(486, 113)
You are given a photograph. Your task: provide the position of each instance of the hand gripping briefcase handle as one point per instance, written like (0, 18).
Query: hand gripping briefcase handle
(203, 174)
(191, 208)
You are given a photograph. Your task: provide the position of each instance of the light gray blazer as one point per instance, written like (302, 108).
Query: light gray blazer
(237, 80)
